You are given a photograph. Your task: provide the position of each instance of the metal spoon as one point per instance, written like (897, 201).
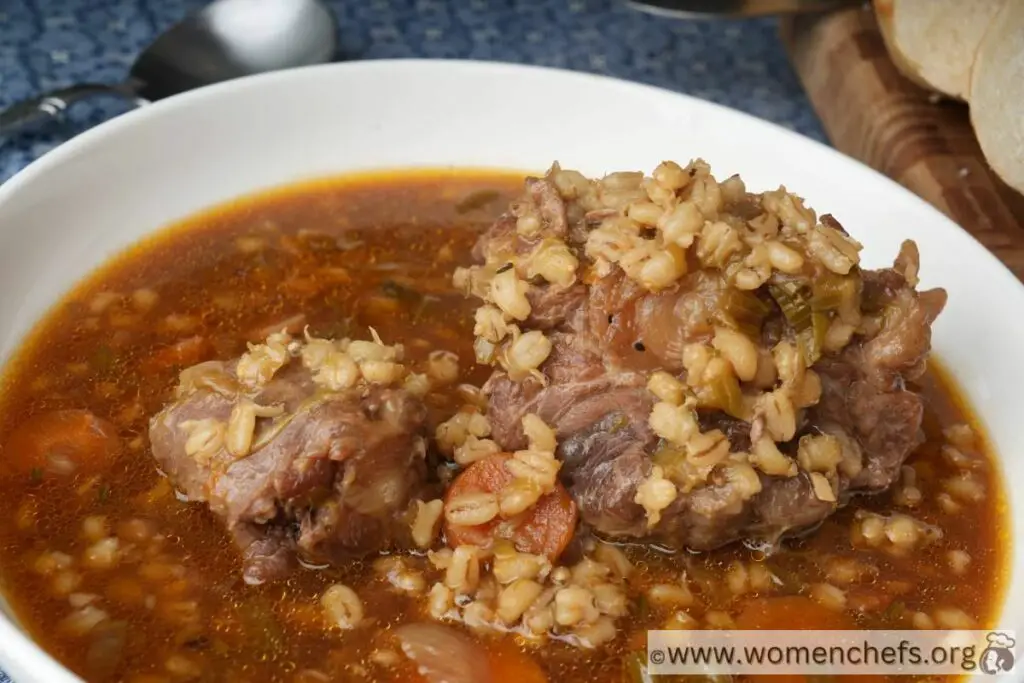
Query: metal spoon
(226, 39)
(710, 9)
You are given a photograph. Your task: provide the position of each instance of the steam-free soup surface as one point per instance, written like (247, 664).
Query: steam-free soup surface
(120, 580)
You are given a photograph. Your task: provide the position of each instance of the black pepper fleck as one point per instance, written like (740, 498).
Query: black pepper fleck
(639, 346)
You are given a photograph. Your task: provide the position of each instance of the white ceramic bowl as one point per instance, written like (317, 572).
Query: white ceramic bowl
(100, 192)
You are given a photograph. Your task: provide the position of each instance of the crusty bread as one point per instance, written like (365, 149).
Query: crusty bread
(997, 94)
(884, 11)
(934, 42)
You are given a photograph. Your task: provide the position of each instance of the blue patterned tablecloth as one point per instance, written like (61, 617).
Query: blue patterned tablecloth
(52, 43)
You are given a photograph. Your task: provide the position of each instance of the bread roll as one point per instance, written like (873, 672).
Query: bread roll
(933, 42)
(997, 94)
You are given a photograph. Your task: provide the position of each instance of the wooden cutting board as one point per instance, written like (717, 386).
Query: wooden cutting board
(871, 112)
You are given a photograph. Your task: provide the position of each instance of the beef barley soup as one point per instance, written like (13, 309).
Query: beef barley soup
(430, 426)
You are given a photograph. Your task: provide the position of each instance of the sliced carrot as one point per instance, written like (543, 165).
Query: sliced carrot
(509, 663)
(791, 612)
(505, 663)
(62, 442)
(180, 354)
(796, 612)
(544, 529)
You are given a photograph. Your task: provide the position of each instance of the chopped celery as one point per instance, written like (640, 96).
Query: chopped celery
(670, 458)
(742, 311)
(790, 297)
(812, 338)
(809, 322)
(827, 292)
(722, 392)
(618, 424)
(642, 608)
(830, 292)
(896, 611)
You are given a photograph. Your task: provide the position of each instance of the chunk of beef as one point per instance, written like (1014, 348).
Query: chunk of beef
(605, 444)
(553, 307)
(900, 349)
(736, 430)
(786, 505)
(543, 204)
(605, 461)
(639, 330)
(885, 424)
(268, 551)
(579, 393)
(550, 206)
(603, 464)
(329, 478)
(603, 350)
(863, 388)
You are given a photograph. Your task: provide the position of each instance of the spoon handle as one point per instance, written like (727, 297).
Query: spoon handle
(29, 114)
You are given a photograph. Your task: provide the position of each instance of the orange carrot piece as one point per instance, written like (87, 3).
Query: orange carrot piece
(791, 612)
(509, 663)
(795, 612)
(180, 354)
(62, 441)
(505, 662)
(544, 529)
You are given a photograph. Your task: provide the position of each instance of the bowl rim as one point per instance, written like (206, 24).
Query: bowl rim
(18, 651)
(95, 135)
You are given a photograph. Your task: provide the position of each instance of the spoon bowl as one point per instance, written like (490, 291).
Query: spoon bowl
(233, 38)
(227, 39)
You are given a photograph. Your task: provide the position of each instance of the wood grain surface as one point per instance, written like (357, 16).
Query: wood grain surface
(874, 114)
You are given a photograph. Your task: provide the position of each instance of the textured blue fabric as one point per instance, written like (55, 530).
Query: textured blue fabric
(53, 43)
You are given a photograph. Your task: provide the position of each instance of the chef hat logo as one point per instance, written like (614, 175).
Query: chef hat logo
(998, 656)
(1000, 640)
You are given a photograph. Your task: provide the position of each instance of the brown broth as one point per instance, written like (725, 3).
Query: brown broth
(373, 250)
